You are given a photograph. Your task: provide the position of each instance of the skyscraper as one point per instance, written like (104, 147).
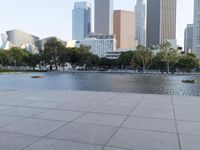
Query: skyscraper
(103, 21)
(188, 42)
(81, 20)
(161, 21)
(124, 29)
(140, 22)
(196, 29)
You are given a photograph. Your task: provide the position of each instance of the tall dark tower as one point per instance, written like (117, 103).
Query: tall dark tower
(103, 21)
(161, 21)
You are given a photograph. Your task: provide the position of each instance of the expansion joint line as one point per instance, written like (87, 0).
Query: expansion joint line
(123, 122)
(174, 112)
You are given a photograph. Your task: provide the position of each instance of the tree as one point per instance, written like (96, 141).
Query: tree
(82, 57)
(74, 56)
(169, 55)
(17, 55)
(94, 61)
(33, 60)
(53, 52)
(86, 57)
(106, 63)
(157, 63)
(142, 58)
(188, 62)
(4, 57)
(125, 59)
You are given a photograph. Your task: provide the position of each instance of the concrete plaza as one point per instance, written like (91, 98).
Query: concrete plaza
(83, 120)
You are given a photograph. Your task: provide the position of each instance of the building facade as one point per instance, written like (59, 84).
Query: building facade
(196, 29)
(81, 20)
(99, 47)
(40, 44)
(124, 29)
(103, 17)
(188, 38)
(140, 22)
(18, 38)
(161, 21)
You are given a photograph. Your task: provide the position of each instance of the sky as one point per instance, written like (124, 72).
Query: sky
(46, 18)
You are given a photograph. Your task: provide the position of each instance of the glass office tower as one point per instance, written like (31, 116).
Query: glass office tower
(81, 20)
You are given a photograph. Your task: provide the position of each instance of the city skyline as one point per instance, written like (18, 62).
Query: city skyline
(36, 20)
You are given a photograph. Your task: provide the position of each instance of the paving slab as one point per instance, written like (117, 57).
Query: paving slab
(101, 119)
(151, 124)
(22, 111)
(188, 127)
(187, 108)
(122, 103)
(15, 102)
(50, 144)
(92, 134)
(84, 120)
(112, 110)
(110, 148)
(3, 107)
(36, 127)
(188, 116)
(144, 140)
(59, 115)
(76, 107)
(8, 120)
(189, 142)
(44, 104)
(157, 106)
(155, 113)
(15, 141)
(157, 99)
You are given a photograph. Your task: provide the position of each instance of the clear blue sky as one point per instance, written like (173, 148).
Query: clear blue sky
(53, 17)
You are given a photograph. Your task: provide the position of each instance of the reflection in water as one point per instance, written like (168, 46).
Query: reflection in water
(155, 84)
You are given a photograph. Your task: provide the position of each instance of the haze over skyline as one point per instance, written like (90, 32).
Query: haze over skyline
(46, 18)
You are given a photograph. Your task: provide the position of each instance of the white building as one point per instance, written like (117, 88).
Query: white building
(99, 47)
(140, 22)
(196, 29)
(113, 54)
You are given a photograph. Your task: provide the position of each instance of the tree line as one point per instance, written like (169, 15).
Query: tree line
(56, 55)
(167, 59)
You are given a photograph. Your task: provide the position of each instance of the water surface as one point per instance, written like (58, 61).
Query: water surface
(134, 83)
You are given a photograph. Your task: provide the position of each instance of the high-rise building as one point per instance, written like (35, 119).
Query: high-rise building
(103, 21)
(81, 20)
(124, 29)
(188, 42)
(196, 29)
(161, 21)
(140, 22)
